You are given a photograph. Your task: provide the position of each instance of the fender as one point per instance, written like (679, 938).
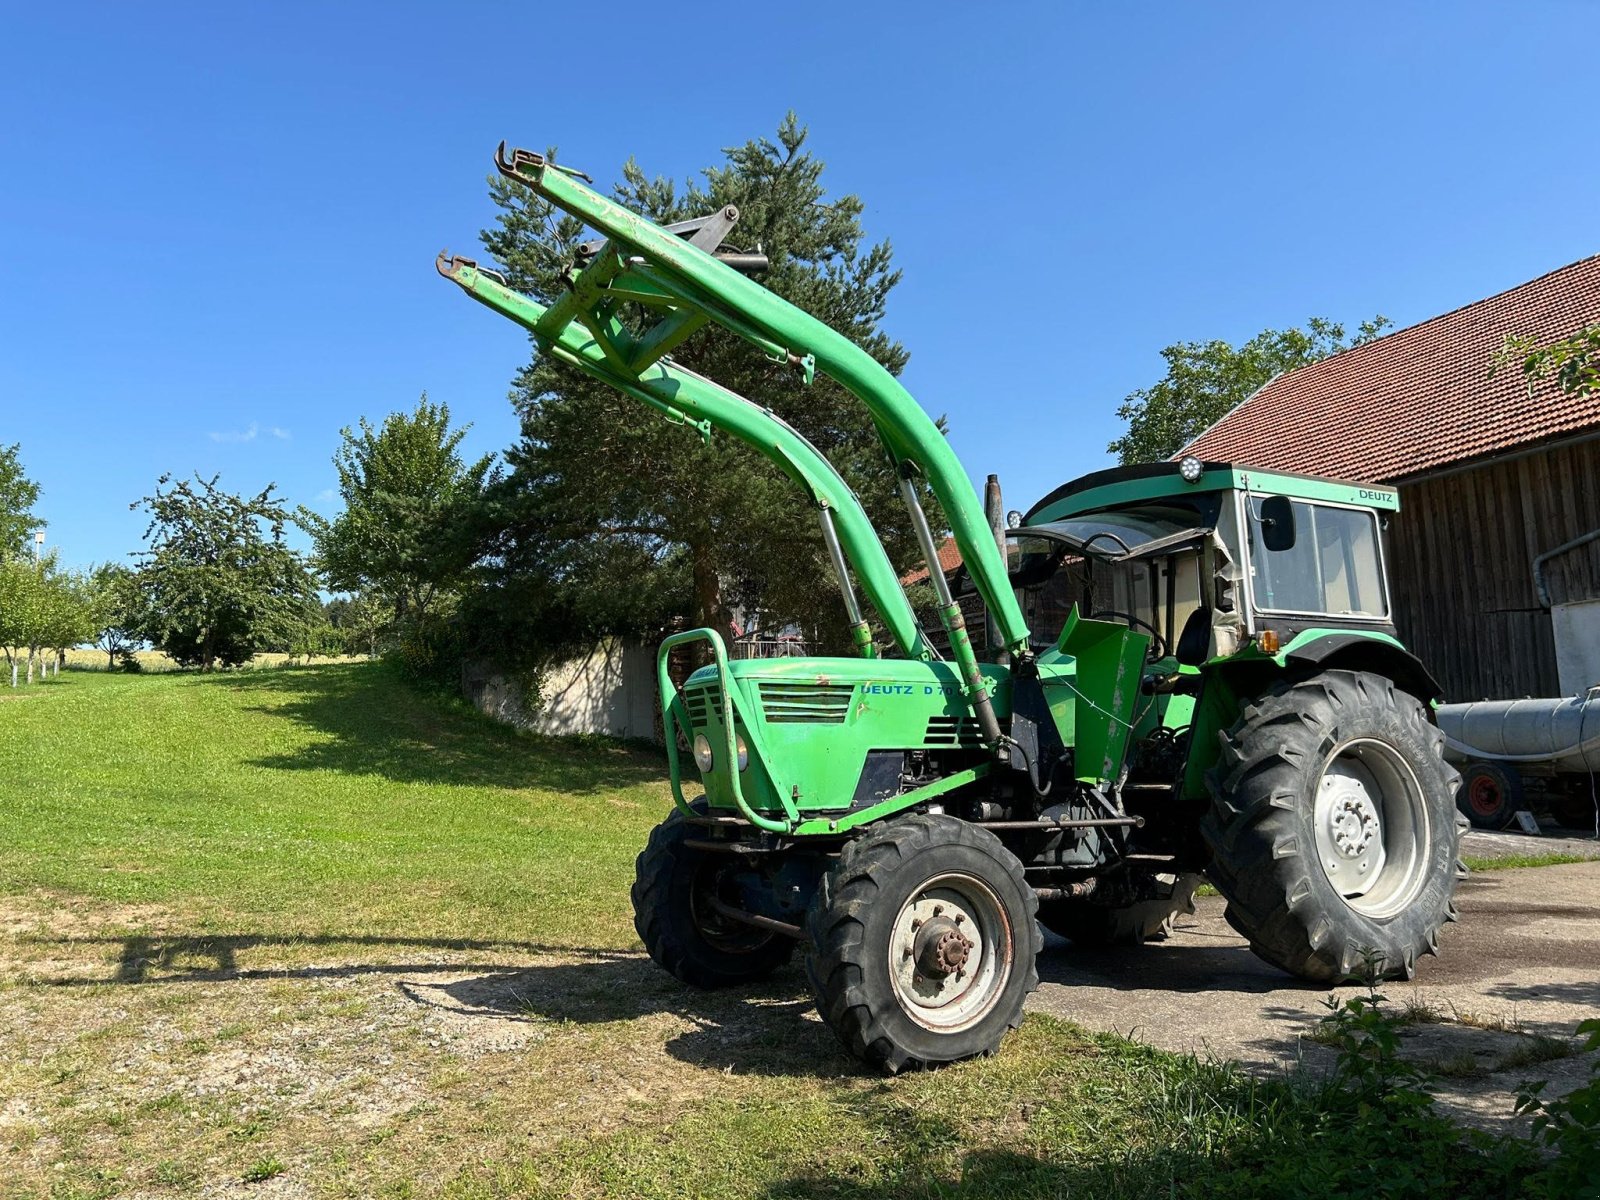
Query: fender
(1363, 652)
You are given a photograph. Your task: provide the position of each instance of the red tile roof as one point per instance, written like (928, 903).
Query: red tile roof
(949, 560)
(1421, 398)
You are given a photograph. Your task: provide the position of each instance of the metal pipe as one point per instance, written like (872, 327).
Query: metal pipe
(955, 624)
(860, 632)
(1539, 584)
(760, 922)
(1096, 823)
(1072, 891)
(995, 510)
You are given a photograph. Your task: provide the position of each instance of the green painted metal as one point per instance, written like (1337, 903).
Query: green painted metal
(738, 707)
(1108, 659)
(819, 719)
(788, 334)
(1306, 636)
(680, 393)
(1216, 478)
(900, 803)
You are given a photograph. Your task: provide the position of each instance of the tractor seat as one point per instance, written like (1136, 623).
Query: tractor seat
(1194, 643)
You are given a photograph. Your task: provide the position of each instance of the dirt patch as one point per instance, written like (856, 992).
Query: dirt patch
(143, 1055)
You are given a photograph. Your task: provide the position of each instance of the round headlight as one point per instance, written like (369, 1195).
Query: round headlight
(1191, 468)
(702, 752)
(744, 753)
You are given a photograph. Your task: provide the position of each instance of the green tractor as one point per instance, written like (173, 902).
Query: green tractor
(1195, 675)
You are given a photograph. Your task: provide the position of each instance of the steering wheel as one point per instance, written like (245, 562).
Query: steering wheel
(1158, 644)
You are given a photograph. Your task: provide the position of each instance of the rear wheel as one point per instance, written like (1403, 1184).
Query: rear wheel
(1333, 828)
(1085, 923)
(676, 890)
(923, 942)
(1490, 794)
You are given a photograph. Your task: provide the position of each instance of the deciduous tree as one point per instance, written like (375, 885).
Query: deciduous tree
(18, 495)
(219, 582)
(405, 487)
(1205, 380)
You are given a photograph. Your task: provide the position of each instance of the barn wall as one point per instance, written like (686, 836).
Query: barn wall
(1460, 557)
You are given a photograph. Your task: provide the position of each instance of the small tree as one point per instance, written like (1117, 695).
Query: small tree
(113, 593)
(41, 608)
(219, 583)
(404, 486)
(18, 495)
(1206, 380)
(360, 621)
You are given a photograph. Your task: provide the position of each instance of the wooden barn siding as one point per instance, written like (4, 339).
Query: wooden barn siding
(1461, 556)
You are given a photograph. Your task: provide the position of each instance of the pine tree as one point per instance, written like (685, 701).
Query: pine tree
(617, 517)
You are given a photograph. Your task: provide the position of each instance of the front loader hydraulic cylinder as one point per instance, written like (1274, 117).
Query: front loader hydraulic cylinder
(955, 624)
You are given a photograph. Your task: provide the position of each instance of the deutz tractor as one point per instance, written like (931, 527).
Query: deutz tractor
(1194, 675)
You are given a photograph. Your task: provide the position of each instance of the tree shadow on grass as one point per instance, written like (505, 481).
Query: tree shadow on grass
(371, 723)
(156, 958)
(765, 1028)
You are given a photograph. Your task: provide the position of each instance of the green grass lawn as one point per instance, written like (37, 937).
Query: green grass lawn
(317, 802)
(304, 932)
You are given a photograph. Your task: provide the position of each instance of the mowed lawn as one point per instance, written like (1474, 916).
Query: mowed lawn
(304, 932)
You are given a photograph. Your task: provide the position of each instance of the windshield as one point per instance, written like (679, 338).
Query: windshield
(1332, 567)
(1117, 531)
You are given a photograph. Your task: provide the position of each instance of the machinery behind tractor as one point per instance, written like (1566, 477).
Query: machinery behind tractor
(1195, 674)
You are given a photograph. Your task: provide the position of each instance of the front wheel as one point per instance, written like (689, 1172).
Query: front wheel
(677, 888)
(923, 943)
(1333, 828)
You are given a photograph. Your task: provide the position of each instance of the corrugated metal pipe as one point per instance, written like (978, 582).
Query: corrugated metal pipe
(1565, 732)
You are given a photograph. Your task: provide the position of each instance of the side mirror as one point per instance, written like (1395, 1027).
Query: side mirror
(1277, 523)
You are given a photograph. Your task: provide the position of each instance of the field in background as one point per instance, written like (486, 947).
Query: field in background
(156, 661)
(304, 932)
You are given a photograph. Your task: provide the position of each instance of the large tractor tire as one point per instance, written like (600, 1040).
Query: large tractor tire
(673, 888)
(1490, 794)
(1333, 828)
(923, 943)
(1087, 924)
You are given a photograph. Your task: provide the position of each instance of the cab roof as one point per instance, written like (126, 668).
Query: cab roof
(1117, 486)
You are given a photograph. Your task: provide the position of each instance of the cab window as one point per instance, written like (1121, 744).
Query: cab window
(1333, 566)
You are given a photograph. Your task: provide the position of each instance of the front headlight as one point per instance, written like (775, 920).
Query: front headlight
(1191, 468)
(744, 753)
(702, 752)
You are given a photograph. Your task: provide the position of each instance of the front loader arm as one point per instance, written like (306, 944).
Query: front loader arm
(640, 262)
(683, 395)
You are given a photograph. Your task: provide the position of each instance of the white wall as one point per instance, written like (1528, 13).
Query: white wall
(1577, 630)
(610, 690)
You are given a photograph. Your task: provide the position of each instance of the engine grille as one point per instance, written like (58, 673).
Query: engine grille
(806, 703)
(952, 731)
(702, 702)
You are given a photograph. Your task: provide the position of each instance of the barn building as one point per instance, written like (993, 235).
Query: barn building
(1494, 586)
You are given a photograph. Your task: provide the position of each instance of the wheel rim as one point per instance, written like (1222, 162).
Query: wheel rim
(950, 952)
(1483, 794)
(729, 936)
(1372, 829)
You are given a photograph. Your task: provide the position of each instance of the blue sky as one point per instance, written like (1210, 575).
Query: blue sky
(221, 222)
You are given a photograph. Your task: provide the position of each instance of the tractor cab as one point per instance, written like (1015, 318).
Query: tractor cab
(1206, 558)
